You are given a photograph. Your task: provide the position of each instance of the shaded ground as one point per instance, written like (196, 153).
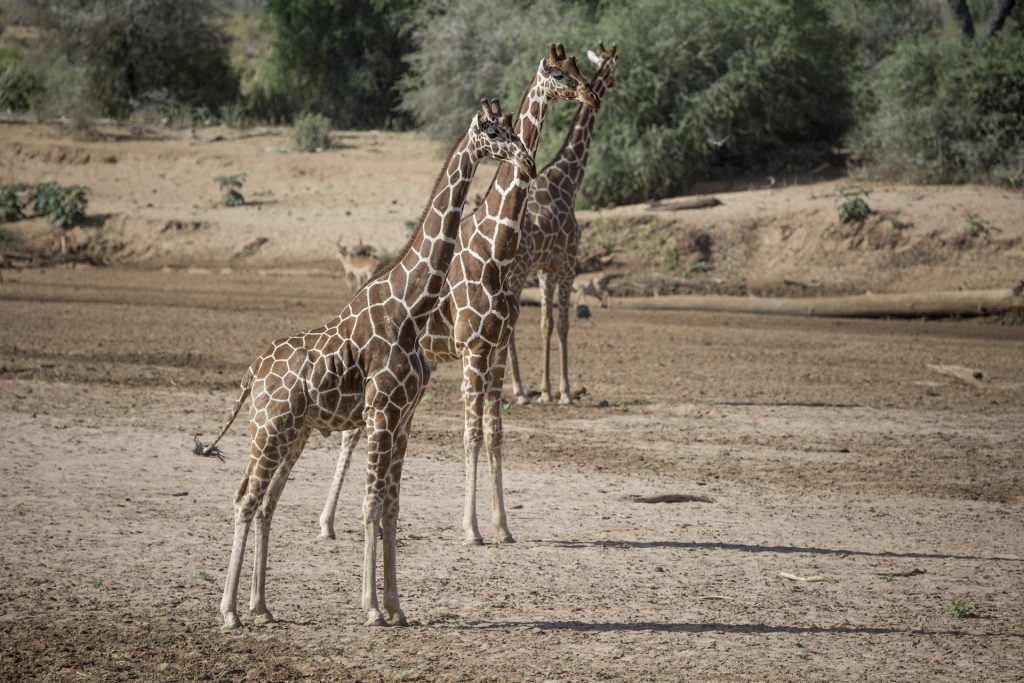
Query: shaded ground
(826, 447)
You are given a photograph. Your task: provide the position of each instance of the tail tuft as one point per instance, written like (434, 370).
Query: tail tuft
(205, 451)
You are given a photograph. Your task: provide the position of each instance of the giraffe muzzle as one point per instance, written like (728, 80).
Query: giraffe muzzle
(590, 98)
(527, 166)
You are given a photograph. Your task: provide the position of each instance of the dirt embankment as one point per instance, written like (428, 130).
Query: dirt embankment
(154, 202)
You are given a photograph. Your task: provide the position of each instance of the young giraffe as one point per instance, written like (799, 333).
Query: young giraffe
(364, 368)
(477, 310)
(551, 235)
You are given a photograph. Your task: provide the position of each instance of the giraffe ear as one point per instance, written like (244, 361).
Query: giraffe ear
(552, 53)
(592, 56)
(506, 121)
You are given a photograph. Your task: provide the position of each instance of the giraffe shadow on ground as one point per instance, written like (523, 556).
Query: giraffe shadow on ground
(780, 549)
(660, 627)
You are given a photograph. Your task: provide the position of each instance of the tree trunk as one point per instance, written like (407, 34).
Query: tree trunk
(997, 17)
(962, 17)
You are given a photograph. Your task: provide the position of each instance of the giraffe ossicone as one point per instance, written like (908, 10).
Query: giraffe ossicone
(551, 235)
(363, 368)
(477, 310)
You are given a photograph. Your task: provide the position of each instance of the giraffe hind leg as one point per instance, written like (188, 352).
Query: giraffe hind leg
(564, 297)
(546, 310)
(349, 441)
(264, 516)
(493, 441)
(246, 501)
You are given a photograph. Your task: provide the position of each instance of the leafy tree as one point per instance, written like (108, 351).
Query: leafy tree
(341, 58)
(127, 50)
(941, 111)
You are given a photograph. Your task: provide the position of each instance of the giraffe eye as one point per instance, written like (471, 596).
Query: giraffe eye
(492, 134)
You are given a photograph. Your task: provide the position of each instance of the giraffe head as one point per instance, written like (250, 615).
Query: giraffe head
(491, 135)
(562, 80)
(605, 61)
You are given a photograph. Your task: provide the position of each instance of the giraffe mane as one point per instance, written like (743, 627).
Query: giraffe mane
(386, 269)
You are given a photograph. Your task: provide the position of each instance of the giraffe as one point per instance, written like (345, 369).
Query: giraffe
(364, 367)
(477, 311)
(551, 235)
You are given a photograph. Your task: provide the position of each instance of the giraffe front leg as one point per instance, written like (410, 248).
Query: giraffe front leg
(546, 291)
(349, 441)
(522, 398)
(379, 446)
(371, 520)
(564, 295)
(493, 441)
(389, 528)
(473, 393)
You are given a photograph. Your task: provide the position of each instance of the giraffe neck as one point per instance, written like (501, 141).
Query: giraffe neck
(419, 274)
(507, 194)
(571, 160)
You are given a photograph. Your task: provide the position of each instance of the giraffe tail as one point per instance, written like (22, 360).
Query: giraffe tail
(212, 451)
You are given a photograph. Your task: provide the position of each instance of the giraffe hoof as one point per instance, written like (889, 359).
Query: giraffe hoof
(565, 401)
(544, 398)
(263, 618)
(375, 619)
(507, 538)
(473, 541)
(327, 535)
(522, 400)
(398, 619)
(231, 622)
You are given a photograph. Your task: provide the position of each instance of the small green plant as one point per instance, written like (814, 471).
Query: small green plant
(699, 266)
(406, 675)
(975, 225)
(96, 583)
(962, 607)
(855, 209)
(855, 206)
(11, 203)
(326, 605)
(233, 115)
(231, 185)
(63, 205)
(311, 133)
(207, 606)
(410, 227)
(205, 576)
(887, 578)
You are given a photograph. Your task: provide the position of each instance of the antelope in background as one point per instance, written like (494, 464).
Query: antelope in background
(359, 263)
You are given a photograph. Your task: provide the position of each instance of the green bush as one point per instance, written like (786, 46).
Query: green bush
(231, 185)
(339, 57)
(311, 132)
(11, 203)
(946, 112)
(18, 84)
(127, 51)
(63, 205)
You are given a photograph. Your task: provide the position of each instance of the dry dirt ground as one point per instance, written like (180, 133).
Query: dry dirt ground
(825, 448)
